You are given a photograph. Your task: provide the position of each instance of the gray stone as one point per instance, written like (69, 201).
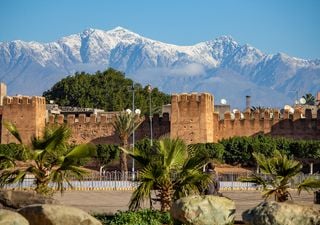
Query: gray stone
(8, 217)
(19, 199)
(57, 215)
(204, 210)
(275, 213)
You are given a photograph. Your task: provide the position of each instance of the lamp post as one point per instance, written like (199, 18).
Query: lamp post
(134, 113)
(150, 114)
(133, 132)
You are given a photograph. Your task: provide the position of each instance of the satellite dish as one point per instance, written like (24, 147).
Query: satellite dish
(235, 110)
(291, 111)
(223, 101)
(232, 116)
(302, 101)
(287, 107)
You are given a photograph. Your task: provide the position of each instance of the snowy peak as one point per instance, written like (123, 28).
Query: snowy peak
(220, 65)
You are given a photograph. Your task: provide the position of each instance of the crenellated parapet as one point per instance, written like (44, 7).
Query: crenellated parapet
(24, 100)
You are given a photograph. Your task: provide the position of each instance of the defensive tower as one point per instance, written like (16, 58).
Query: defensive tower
(192, 117)
(27, 113)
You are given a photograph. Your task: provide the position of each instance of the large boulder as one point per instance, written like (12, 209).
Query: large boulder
(275, 213)
(8, 217)
(57, 215)
(18, 199)
(204, 210)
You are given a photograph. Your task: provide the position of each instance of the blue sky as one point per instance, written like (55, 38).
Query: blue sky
(289, 26)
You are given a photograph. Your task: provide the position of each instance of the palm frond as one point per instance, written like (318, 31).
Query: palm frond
(13, 130)
(309, 184)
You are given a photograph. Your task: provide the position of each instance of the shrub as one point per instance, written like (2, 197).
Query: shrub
(141, 217)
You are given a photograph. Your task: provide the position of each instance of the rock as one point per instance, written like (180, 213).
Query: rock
(275, 213)
(57, 215)
(8, 217)
(203, 210)
(18, 199)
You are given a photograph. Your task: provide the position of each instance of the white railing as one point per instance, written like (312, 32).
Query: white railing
(115, 180)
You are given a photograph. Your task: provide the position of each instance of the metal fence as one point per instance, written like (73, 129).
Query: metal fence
(115, 180)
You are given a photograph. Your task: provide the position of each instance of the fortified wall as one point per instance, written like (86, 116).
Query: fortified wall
(28, 114)
(193, 119)
(99, 130)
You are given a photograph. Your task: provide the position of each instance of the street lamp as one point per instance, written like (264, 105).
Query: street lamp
(150, 114)
(134, 113)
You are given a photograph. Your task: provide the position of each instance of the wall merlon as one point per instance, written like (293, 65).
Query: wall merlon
(82, 118)
(24, 100)
(93, 118)
(51, 119)
(256, 115)
(247, 115)
(71, 119)
(60, 119)
(227, 116)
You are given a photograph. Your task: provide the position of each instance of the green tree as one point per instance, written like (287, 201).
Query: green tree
(169, 170)
(278, 174)
(106, 153)
(310, 99)
(108, 90)
(48, 159)
(124, 125)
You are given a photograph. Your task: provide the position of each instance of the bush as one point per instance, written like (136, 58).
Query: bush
(209, 150)
(107, 153)
(141, 217)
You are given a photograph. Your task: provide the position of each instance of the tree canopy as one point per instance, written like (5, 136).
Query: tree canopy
(108, 90)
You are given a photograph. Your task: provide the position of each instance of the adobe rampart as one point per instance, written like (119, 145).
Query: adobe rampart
(192, 119)
(99, 130)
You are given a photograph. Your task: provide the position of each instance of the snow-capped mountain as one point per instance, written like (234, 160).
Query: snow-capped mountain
(220, 66)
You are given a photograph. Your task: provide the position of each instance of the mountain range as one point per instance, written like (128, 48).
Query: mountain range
(220, 66)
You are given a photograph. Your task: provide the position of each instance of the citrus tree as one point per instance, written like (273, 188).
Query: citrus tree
(48, 160)
(278, 174)
(171, 171)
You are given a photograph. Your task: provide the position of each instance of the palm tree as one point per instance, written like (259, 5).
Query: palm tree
(310, 99)
(278, 175)
(171, 171)
(124, 125)
(48, 159)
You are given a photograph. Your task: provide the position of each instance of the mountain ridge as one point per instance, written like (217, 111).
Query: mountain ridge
(33, 67)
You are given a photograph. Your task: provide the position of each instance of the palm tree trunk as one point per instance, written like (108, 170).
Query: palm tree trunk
(165, 197)
(123, 157)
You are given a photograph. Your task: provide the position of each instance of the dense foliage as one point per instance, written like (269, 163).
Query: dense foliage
(141, 217)
(107, 153)
(108, 90)
(239, 150)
